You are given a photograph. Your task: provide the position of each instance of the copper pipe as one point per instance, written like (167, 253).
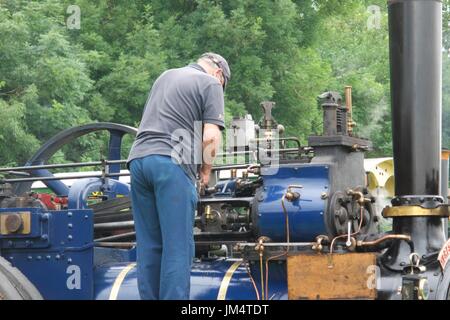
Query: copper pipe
(253, 281)
(382, 239)
(287, 240)
(261, 271)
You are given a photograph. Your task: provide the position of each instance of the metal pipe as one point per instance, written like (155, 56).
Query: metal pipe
(122, 245)
(116, 237)
(57, 186)
(236, 153)
(63, 165)
(113, 218)
(387, 237)
(63, 177)
(278, 244)
(229, 167)
(444, 174)
(415, 40)
(444, 183)
(18, 173)
(113, 225)
(349, 104)
(114, 211)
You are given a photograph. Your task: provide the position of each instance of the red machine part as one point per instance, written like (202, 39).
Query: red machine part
(51, 201)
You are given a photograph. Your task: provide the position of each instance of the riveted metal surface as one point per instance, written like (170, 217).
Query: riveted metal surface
(57, 259)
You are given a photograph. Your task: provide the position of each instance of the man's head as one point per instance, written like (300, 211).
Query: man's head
(216, 65)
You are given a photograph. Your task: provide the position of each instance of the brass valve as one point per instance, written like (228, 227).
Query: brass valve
(291, 195)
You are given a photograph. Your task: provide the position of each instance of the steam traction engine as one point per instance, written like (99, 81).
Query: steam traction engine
(291, 222)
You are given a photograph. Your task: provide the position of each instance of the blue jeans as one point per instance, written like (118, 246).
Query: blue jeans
(164, 200)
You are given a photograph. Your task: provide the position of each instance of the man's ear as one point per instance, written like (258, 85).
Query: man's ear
(218, 73)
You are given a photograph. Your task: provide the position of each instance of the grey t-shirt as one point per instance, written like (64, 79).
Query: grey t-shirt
(180, 101)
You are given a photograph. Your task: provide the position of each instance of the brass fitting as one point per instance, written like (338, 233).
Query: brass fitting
(260, 244)
(416, 211)
(208, 214)
(317, 246)
(359, 196)
(292, 195)
(349, 107)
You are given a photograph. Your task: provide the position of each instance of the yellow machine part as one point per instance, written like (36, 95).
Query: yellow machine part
(380, 175)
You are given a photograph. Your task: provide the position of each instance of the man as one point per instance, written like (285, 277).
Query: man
(164, 161)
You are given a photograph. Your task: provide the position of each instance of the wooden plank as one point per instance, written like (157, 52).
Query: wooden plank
(343, 276)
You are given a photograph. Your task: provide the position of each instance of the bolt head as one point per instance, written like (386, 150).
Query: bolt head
(13, 223)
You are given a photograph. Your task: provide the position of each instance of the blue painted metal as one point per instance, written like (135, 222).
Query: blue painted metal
(57, 255)
(104, 256)
(225, 188)
(57, 186)
(306, 215)
(207, 276)
(114, 147)
(206, 280)
(105, 277)
(81, 189)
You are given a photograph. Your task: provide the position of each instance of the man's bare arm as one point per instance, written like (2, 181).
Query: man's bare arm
(212, 138)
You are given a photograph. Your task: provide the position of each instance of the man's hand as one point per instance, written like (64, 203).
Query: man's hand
(204, 176)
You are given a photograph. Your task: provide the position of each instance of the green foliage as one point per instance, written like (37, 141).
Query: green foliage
(359, 58)
(15, 141)
(288, 51)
